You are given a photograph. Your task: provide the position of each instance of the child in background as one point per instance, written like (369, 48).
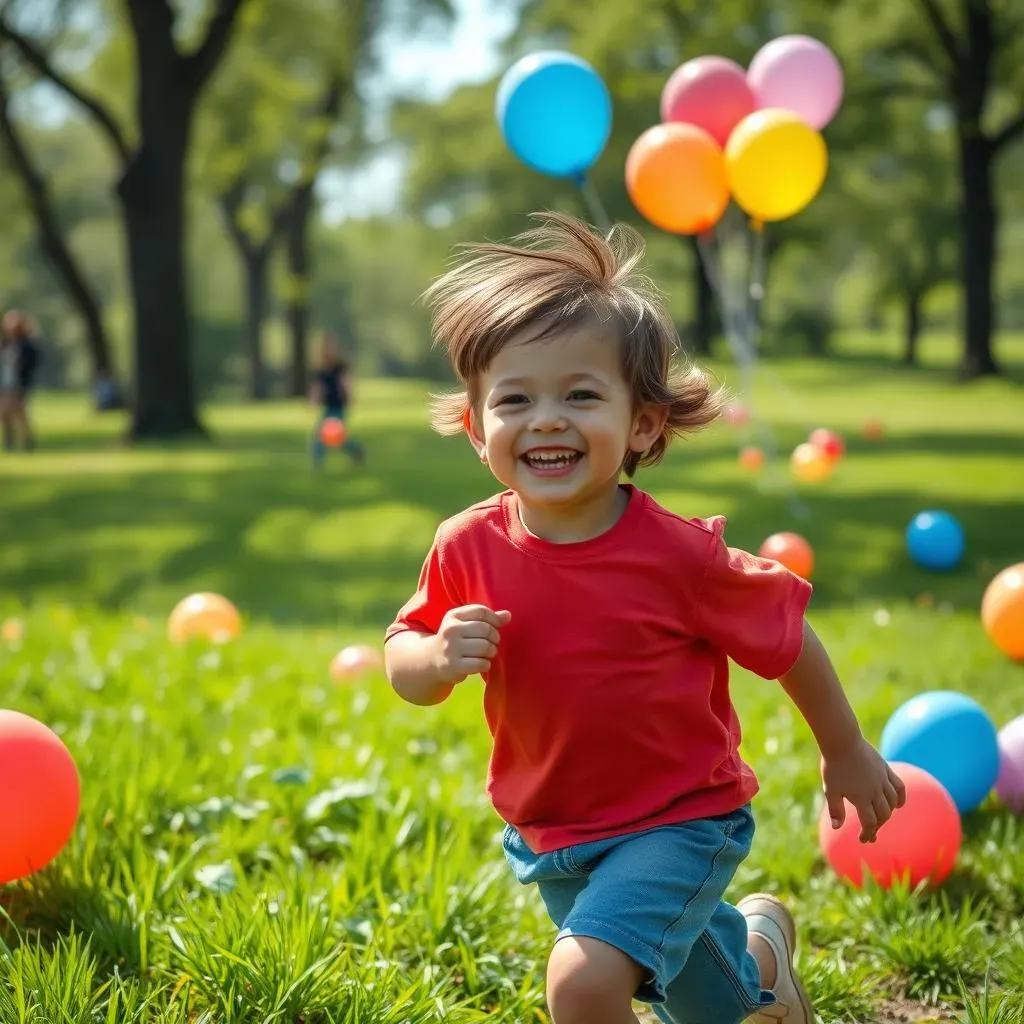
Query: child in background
(331, 389)
(602, 625)
(19, 361)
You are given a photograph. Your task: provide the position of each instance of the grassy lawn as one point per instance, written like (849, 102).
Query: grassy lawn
(258, 843)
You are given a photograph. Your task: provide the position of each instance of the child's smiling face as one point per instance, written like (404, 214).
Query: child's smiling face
(555, 419)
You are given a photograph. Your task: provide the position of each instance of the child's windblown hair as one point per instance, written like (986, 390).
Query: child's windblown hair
(556, 277)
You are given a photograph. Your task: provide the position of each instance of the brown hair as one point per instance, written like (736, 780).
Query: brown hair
(555, 277)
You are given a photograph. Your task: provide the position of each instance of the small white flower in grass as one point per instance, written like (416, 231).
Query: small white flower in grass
(219, 878)
(882, 617)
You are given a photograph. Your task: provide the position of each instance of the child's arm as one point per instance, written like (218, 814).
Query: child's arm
(850, 767)
(423, 668)
(413, 665)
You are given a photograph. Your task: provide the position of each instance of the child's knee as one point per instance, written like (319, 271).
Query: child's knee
(586, 978)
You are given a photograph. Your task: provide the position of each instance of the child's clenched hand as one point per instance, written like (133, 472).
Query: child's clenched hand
(467, 640)
(862, 776)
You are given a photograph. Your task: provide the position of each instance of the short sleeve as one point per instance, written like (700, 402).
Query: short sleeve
(752, 608)
(423, 612)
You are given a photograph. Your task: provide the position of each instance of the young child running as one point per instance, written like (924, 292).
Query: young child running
(331, 389)
(602, 625)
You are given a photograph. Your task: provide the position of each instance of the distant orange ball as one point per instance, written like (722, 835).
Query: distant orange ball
(920, 841)
(829, 442)
(1002, 611)
(792, 551)
(332, 432)
(752, 458)
(40, 795)
(873, 430)
(810, 464)
(204, 616)
(354, 661)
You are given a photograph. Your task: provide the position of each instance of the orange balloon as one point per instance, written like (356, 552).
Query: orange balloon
(204, 616)
(810, 464)
(790, 550)
(1002, 611)
(355, 660)
(675, 176)
(873, 430)
(921, 840)
(752, 458)
(40, 795)
(332, 432)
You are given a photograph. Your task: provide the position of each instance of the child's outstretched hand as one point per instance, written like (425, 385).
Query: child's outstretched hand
(468, 639)
(862, 776)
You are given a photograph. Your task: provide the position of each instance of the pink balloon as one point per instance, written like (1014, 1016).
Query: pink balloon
(710, 92)
(799, 74)
(1010, 783)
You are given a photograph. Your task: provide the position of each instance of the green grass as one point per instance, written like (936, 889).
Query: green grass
(260, 844)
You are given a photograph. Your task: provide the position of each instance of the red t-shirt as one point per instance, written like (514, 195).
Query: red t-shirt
(608, 700)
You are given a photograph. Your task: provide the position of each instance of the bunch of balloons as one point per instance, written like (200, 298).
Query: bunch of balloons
(753, 136)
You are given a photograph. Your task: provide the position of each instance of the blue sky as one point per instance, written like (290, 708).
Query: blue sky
(430, 67)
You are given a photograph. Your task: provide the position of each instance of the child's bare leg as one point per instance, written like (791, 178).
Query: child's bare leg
(590, 982)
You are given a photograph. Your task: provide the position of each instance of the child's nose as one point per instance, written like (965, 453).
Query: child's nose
(547, 415)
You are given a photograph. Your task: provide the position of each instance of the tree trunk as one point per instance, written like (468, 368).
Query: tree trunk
(153, 199)
(914, 299)
(703, 328)
(298, 292)
(977, 254)
(53, 244)
(255, 261)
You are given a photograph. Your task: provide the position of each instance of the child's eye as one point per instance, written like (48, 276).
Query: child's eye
(583, 396)
(511, 400)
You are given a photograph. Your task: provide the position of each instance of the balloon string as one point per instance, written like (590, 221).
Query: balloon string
(740, 322)
(598, 214)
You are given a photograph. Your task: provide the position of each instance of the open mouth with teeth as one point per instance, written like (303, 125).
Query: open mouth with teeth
(552, 461)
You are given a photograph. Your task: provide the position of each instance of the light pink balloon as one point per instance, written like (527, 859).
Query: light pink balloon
(354, 661)
(710, 92)
(799, 74)
(1010, 783)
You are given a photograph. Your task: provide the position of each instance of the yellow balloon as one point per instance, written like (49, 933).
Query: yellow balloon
(776, 164)
(810, 464)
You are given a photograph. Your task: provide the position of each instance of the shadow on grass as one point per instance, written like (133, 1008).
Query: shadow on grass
(90, 537)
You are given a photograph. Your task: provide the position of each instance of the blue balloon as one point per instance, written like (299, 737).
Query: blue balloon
(555, 113)
(935, 540)
(952, 738)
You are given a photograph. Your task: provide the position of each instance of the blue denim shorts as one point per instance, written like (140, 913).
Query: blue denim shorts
(657, 896)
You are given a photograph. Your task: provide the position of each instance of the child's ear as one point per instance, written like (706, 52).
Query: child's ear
(648, 425)
(469, 425)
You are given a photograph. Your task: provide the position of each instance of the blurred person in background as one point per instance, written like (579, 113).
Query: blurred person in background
(331, 389)
(19, 359)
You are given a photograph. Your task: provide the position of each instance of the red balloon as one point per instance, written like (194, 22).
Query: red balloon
(829, 442)
(39, 795)
(710, 92)
(920, 841)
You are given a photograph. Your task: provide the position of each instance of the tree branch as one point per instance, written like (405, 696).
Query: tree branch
(940, 26)
(1008, 132)
(34, 57)
(207, 57)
